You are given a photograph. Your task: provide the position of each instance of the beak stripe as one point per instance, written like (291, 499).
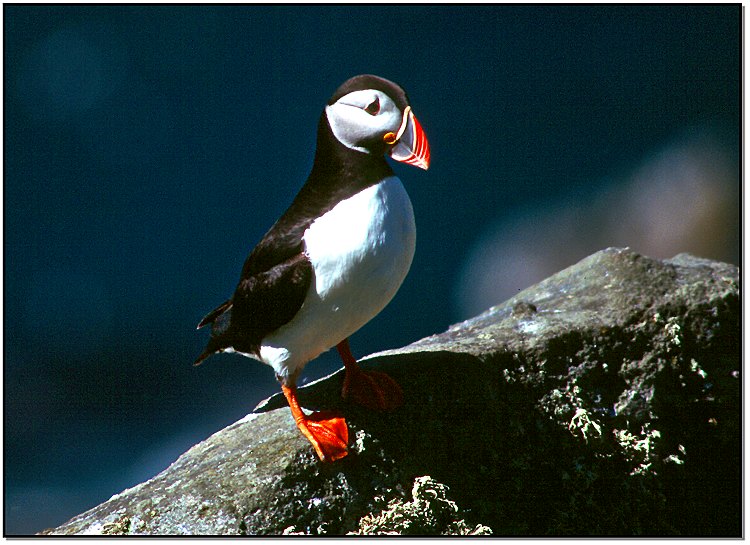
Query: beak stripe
(411, 145)
(420, 155)
(404, 122)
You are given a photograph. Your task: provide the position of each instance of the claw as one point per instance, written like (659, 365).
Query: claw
(328, 434)
(372, 389)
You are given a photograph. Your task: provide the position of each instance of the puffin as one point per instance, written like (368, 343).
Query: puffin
(334, 259)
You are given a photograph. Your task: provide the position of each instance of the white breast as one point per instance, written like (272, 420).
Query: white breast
(361, 251)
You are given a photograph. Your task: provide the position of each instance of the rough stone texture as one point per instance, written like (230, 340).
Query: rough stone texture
(602, 401)
(429, 511)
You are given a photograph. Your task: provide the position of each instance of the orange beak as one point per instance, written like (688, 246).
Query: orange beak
(411, 146)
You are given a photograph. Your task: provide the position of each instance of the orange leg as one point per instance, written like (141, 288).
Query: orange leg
(372, 389)
(328, 434)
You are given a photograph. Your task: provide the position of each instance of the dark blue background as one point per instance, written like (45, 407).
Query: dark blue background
(146, 150)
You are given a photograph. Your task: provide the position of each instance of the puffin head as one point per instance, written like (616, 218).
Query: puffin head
(370, 114)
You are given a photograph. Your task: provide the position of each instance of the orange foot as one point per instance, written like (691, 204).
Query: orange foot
(372, 389)
(327, 433)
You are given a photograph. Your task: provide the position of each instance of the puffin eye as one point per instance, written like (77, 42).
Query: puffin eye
(373, 107)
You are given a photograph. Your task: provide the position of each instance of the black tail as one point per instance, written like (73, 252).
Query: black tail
(212, 347)
(219, 319)
(215, 313)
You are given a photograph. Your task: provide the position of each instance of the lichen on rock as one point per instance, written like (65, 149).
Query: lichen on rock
(429, 512)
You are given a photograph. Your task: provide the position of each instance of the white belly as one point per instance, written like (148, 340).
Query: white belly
(361, 251)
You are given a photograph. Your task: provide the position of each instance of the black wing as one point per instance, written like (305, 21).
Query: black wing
(261, 304)
(271, 290)
(264, 302)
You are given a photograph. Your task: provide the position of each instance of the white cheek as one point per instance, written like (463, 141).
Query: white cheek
(352, 126)
(345, 126)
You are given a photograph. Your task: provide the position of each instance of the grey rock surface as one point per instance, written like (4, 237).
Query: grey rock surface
(602, 401)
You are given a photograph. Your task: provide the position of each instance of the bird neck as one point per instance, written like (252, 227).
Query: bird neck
(342, 166)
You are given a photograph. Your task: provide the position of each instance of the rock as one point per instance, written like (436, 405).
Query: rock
(602, 401)
(429, 512)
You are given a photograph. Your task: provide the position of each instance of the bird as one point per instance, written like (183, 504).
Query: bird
(334, 259)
